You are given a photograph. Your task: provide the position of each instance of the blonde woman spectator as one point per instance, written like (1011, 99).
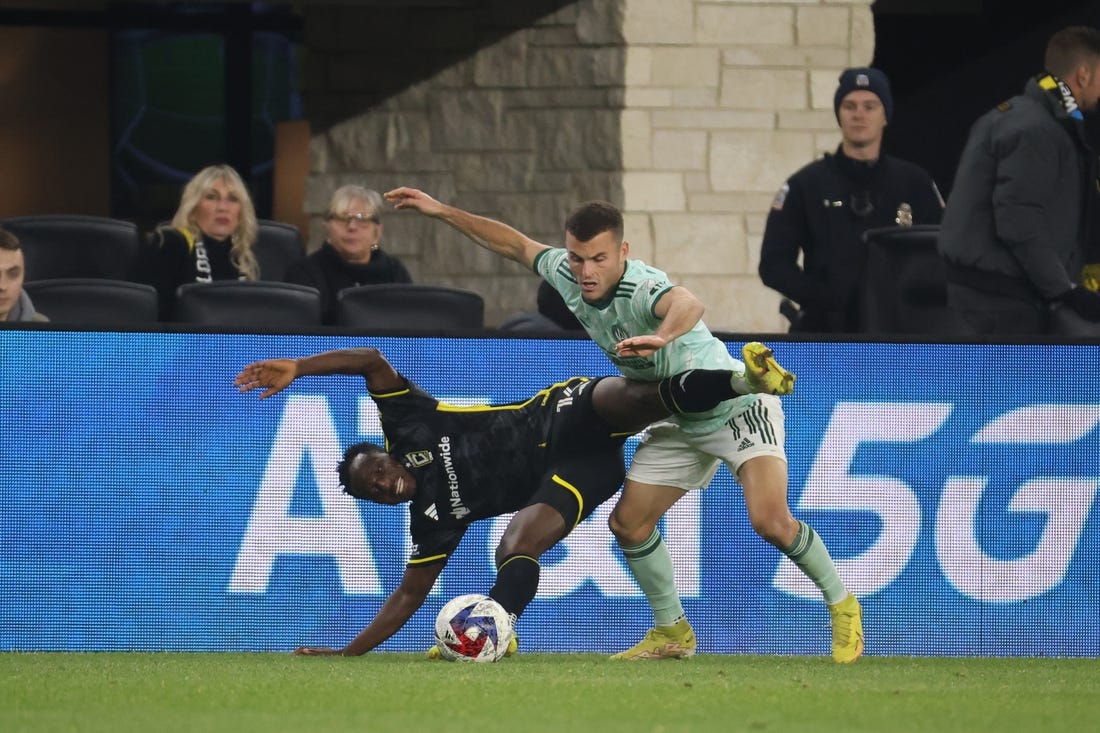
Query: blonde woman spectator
(210, 237)
(15, 304)
(351, 254)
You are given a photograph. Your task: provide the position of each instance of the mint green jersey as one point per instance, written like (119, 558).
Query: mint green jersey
(627, 312)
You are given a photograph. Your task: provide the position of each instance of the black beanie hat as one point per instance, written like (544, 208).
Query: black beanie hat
(866, 78)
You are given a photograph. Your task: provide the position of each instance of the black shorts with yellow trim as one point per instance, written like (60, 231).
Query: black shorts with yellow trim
(579, 483)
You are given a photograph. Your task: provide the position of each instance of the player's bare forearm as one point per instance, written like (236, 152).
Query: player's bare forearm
(342, 361)
(679, 311)
(275, 375)
(367, 362)
(396, 610)
(493, 235)
(683, 312)
(387, 623)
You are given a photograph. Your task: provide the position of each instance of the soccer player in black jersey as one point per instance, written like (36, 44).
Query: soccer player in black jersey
(552, 459)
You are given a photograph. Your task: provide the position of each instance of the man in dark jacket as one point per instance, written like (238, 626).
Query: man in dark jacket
(824, 209)
(1015, 230)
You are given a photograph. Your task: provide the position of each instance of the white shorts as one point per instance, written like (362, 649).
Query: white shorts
(667, 456)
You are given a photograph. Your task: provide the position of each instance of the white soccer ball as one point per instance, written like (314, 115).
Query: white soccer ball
(473, 628)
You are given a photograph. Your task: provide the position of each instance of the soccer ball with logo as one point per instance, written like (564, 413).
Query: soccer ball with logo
(473, 628)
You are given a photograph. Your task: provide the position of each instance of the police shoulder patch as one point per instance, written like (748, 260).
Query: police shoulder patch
(781, 197)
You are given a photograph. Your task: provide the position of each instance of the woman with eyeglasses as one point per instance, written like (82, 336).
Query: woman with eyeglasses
(813, 250)
(210, 237)
(351, 253)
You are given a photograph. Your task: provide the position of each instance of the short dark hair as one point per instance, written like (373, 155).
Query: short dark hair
(8, 240)
(344, 468)
(1071, 47)
(594, 217)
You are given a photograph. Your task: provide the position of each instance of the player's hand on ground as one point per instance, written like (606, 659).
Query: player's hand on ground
(763, 372)
(273, 376)
(317, 651)
(640, 345)
(411, 198)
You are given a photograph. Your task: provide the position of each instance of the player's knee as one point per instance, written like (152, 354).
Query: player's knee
(775, 529)
(530, 542)
(628, 532)
(515, 544)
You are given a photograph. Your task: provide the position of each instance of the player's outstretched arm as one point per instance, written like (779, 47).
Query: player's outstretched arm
(275, 375)
(394, 613)
(493, 235)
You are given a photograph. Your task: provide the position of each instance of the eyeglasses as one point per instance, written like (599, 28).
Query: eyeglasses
(347, 219)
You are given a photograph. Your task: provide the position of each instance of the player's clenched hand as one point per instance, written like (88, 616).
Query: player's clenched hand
(272, 376)
(640, 345)
(411, 198)
(317, 651)
(763, 372)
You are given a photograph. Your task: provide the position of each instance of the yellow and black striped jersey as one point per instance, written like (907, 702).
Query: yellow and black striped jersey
(482, 461)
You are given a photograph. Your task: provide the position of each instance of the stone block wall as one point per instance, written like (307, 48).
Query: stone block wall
(688, 114)
(724, 100)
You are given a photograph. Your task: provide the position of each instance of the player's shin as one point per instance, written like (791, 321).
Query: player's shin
(696, 390)
(517, 582)
(808, 552)
(651, 565)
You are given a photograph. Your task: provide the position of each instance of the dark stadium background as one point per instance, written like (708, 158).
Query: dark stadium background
(949, 61)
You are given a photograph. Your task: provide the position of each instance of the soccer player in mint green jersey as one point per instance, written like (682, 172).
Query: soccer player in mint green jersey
(652, 329)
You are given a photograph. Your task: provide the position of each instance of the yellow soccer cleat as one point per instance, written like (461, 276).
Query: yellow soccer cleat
(847, 617)
(663, 642)
(763, 372)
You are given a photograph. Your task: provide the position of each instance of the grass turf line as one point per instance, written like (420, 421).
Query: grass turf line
(562, 693)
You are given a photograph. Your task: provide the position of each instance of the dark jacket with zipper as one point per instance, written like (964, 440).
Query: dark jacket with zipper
(1018, 218)
(330, 273)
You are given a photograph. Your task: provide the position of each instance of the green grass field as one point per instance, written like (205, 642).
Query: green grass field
(562, 693)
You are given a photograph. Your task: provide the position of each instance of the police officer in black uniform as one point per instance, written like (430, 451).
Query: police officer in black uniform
(552, 459)
(823, 210)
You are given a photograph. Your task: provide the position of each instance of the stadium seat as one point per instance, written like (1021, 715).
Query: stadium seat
(94, 301)
(409, 307)
(905, 289)
(69, 246)
(248, 304)
(277, 245)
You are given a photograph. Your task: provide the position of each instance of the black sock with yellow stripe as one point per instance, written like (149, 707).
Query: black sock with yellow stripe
(697, 390)
(517, 583)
